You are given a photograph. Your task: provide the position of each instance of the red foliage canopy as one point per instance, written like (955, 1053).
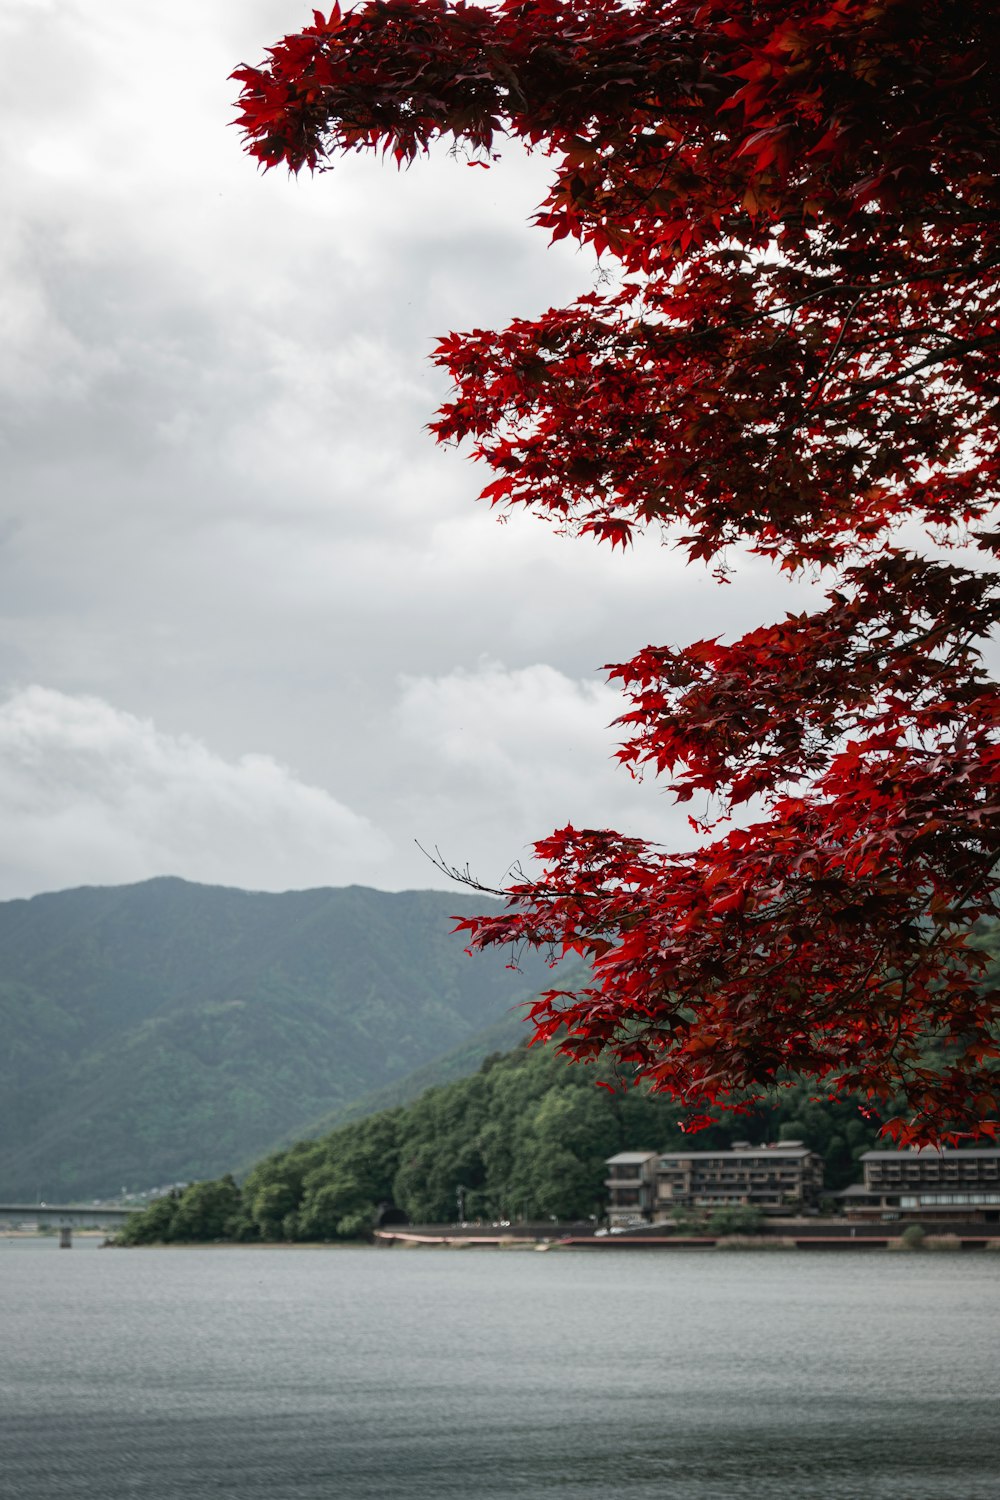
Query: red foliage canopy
(799, 354)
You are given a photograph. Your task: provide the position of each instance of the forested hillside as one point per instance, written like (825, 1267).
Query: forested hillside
(525, 1137)
(169, 1031)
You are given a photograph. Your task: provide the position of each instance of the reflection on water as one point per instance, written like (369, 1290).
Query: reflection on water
(306, 1374)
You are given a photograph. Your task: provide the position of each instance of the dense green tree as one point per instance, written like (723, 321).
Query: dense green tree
(271, 1205)
(204, 1211)
(562, 1148)
(209, 1211)
(153, 1225)
(525, 1137)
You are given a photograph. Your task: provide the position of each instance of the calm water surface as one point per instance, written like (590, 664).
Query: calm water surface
(314, 1374)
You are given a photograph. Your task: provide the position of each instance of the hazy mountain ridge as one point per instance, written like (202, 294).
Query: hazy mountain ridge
(167, 1031)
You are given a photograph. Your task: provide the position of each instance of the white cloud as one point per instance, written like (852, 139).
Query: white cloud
(504, 756)
(91, 795)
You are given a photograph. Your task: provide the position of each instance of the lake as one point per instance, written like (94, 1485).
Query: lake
(343, 1374)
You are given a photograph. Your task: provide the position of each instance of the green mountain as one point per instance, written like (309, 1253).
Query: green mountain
(503, 1036)
(463, 1060)
(169, 1031)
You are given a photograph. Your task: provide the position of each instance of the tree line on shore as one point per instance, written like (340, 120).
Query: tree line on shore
(525, 1138)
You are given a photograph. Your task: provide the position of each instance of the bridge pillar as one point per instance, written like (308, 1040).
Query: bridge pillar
(65, 1237)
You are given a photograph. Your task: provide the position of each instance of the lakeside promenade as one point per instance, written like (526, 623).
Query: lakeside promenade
(776, 1234)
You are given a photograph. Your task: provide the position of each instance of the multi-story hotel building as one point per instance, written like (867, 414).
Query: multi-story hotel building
(937, 1184)
(631, 1185)
(647, 1185)
(785, 1176)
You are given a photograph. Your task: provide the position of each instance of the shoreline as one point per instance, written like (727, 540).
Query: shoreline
(789, 1236)
(401, 1239)
(450, 1241)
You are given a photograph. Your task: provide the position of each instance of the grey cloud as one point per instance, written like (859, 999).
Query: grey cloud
(91, 795)
(225, 515)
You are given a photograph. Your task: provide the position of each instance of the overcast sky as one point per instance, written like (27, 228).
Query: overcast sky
(256, 630)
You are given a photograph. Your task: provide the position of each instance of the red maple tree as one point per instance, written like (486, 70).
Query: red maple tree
(798, 354)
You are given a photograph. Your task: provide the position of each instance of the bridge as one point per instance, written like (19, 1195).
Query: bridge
(65, 1217)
